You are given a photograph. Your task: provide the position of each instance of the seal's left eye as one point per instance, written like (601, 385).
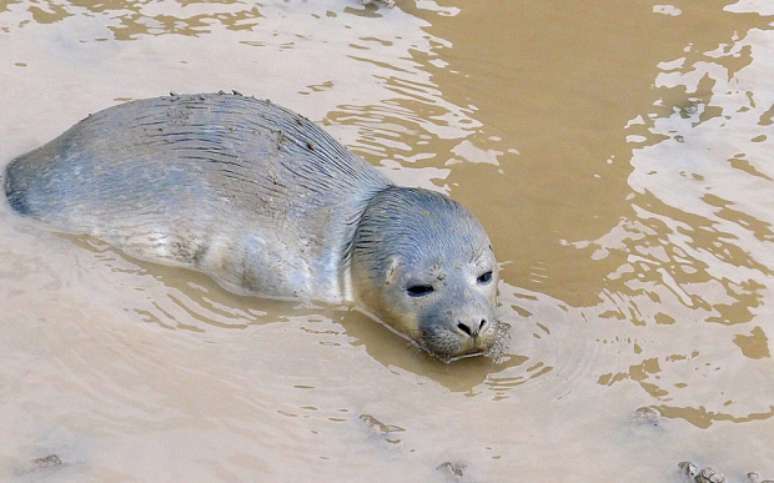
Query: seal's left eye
(419, 290)
(485, 277)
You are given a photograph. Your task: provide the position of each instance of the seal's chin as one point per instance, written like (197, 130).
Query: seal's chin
(449, 346)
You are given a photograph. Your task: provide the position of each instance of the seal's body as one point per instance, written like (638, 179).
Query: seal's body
(266, 203)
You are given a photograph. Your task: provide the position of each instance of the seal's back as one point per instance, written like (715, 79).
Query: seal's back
(219, 183)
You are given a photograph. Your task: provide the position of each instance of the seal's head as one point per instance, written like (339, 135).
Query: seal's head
(423, 264)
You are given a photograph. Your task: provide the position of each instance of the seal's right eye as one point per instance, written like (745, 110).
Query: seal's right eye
(420, 290)
(485, 277)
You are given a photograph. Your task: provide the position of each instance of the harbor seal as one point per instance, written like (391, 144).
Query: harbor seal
(266, 203)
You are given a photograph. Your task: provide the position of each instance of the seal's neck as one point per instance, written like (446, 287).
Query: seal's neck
(359, 270)
(396, 225)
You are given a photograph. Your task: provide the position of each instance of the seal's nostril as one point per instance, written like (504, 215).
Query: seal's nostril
(482, 324)
(464, 328)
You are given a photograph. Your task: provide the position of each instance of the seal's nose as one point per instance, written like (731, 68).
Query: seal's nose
(473, 329)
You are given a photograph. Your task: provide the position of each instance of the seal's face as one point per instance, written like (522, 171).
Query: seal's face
(422, 263)
(445, 301)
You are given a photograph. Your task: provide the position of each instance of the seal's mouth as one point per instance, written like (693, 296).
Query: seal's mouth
(494, 350)
(448, 350)
(450, 358)
(468, 355)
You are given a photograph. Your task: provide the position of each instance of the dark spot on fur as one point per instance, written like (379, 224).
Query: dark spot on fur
(198, 254)
(49, 461)
(453, 469)
(310, 146)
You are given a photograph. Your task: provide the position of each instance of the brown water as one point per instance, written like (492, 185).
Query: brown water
(619, 154)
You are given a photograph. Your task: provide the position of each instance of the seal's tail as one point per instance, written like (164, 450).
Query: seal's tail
(16, 195)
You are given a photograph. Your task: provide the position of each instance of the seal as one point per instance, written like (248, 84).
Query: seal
(268, 204)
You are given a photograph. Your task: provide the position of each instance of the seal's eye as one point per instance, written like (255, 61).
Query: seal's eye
(420, 290)
(485, 277)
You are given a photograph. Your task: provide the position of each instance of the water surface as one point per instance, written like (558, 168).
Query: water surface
(619, 154)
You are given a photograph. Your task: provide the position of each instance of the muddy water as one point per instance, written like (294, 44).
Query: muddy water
(619, 153)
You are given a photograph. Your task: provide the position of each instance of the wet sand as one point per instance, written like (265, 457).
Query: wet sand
(618, 153)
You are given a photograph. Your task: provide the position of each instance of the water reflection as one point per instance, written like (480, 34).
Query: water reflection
(185, 300)
(621, 169)
(700, 242)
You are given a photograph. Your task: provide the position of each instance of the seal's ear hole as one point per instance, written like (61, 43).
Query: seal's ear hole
(392, 270)
(420, 290)
(485, 277)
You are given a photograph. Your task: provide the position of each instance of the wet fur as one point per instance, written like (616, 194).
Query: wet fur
(218, 183)
(266, 203)
(414, 236)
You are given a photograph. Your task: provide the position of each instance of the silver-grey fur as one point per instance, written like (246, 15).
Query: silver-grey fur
(266, 203)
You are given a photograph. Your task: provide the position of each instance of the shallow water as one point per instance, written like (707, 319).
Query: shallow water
(617, 152)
